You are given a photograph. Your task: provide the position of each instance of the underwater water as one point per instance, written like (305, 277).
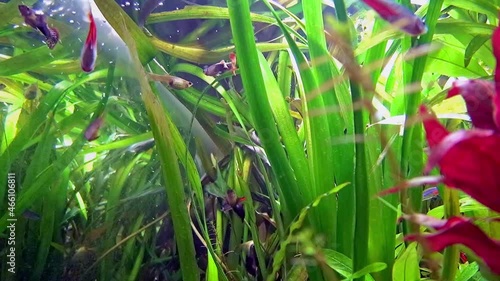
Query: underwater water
(235, 139)
(77, 147)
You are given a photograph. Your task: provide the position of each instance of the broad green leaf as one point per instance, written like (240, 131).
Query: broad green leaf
(480, 6)
(338, 262)
(165, 141)
(449, 62)
(406, 266)
(280, 256)
(374, 267)
(467, 272)
(451, 26)
(32, 59)
(474, 45)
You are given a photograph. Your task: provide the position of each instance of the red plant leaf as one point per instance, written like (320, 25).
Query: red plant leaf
(426, 220)
(470, 161)
(495, 42)
(458, 230)
(434, 131)
(414, 182)
(398, 15)
(478, 95)
(496, 109)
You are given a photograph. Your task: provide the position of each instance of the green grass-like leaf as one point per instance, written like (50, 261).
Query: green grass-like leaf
(174, 187)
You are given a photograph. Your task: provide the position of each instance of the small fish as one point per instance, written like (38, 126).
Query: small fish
(463, 257)
(251, 263)
(92, 131)
(39, 22)
(232, 57)
(430, 193)
(31, 91)
(31, 215)
(399, 15)
(142, 146)
(217, 68)
(89, 50)
(173, 81)
(235, 203)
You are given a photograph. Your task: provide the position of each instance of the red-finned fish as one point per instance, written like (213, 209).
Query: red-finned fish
(430, 193)
(39, 22)
(92, 131)
(217, 68)
(399, 15)
(463, 257)
(89, 50)
(232, 57)
(235, 203)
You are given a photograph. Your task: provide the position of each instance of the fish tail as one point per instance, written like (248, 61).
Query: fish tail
(53, 38)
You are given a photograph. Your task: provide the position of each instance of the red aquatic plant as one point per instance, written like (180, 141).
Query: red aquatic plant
(457, 230)
(398, 15)
(482, 98)
(478, 95)
(468, 160)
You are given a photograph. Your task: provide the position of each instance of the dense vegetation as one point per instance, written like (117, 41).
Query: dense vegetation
(271, 169)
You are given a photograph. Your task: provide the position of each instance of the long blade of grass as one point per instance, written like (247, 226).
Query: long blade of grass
(412, 154)
(339, 157)
(319, 147)
(451, 254)
(294, 148)
(162, 131)
(24, 136)
(200, 55)
(32, 59)
(257, 96)
(50, 223)
(202, 12)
